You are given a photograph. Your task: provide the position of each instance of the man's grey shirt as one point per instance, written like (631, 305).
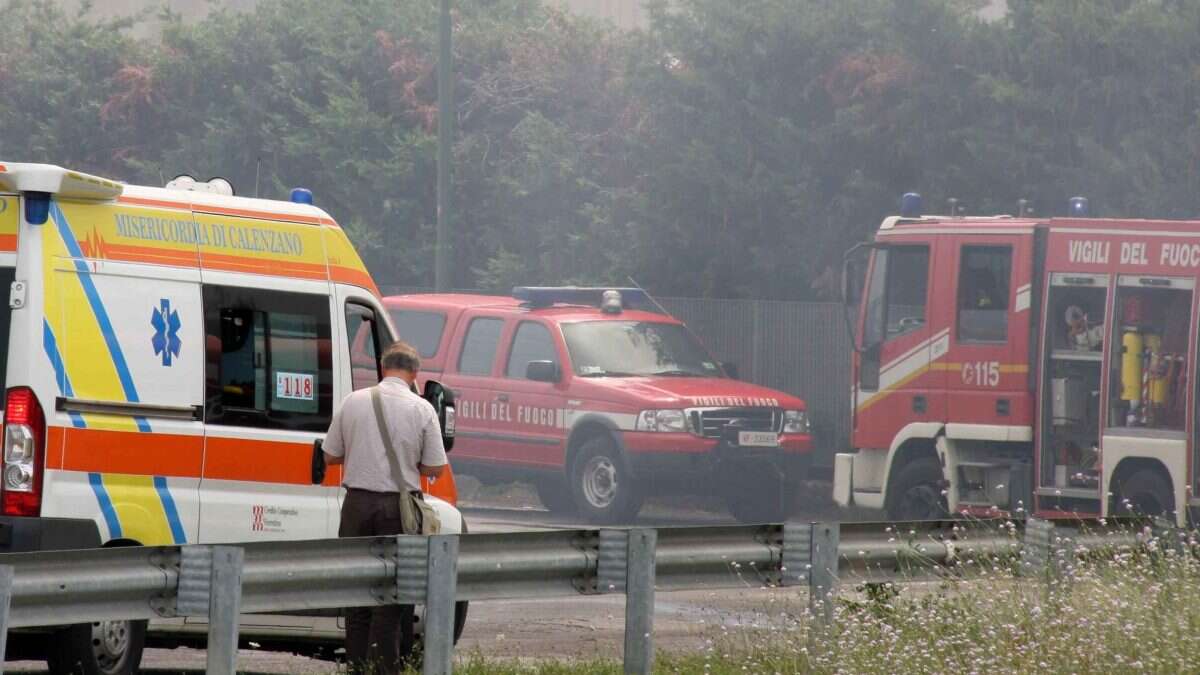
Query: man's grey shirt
(354, 435)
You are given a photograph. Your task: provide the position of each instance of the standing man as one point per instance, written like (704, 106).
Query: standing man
(372, 503)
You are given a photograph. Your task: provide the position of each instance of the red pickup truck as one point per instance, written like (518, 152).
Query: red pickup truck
(599, 399)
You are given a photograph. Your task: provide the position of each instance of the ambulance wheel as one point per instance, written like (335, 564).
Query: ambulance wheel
(916, 492)
(758, 493)
(98, 648)
(553, 492)
(1146, 492)
(602, 484)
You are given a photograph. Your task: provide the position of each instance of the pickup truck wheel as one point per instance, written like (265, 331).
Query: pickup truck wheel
(553, 492)
(759, 493)
(98, 648)
(601, 483)
(916, 492)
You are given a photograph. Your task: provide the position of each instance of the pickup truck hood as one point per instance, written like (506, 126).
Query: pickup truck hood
(687, 392)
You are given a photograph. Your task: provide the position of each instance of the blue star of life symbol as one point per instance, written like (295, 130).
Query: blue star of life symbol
(166, 331)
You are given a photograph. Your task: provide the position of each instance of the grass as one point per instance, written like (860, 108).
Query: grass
(1119, 611)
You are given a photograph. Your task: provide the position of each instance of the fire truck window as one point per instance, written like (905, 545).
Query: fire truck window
(983, 287)
(422, 330)
(907, 287)
(269, 363)
(1150, 357)
(531, 343)
(479, 347)
(364, 336)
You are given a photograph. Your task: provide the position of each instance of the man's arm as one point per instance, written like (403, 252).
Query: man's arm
(334, 445)
(433, 454)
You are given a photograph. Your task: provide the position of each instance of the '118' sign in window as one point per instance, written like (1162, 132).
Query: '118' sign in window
(294, 386)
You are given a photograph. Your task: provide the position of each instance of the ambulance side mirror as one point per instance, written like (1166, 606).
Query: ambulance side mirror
(318, 463)
(442, 400)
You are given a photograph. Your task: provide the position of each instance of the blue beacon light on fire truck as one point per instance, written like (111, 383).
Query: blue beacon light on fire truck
(609, 300)
(1078, 207)
(910, 205)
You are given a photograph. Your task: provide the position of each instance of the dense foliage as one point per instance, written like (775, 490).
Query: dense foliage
(732, 149)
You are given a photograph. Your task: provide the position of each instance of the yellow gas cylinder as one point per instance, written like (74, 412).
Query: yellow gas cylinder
(1158, 370)
(1131, 366)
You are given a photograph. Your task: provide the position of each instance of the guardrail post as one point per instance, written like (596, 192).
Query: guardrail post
(440, 591)
(823, 578)
(224, 608)
(639, 601)
(1048, 551)
(6, 584)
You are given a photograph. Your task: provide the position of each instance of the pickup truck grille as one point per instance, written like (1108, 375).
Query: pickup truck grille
(712, 422)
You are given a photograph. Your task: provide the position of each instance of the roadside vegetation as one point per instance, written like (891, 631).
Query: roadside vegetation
(1118, 611)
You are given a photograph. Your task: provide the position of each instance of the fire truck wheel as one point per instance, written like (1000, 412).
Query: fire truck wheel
(916, 493)
(99, 648)
(1146, 492)
(555, 496)
(601, 483)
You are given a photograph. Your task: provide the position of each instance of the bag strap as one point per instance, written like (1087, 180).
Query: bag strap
(388, 448)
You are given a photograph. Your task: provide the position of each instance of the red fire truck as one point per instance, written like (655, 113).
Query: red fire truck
(1011, 364)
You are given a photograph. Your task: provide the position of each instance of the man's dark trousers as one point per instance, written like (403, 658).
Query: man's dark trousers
(373, 635)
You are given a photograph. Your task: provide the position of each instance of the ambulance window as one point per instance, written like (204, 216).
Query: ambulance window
(983, 280)
(269, 363)
(365, 338)
(422, 330)
(907, 287)
(479, 347)
(531, 343)
(7, 276)
(1150, 362)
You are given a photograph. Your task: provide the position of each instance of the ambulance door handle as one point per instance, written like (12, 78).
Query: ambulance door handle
(502, 398)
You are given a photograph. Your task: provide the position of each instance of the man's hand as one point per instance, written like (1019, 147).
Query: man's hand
(330, 460)
(431, 471)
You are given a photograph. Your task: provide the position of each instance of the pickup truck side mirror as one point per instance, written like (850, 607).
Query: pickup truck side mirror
(543, 371)
(318, 463)
(442, 400)
(731, 369)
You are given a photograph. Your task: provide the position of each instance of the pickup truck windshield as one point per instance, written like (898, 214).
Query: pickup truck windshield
(636, 348)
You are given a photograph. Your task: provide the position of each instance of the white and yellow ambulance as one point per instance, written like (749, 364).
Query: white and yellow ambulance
(172, 356)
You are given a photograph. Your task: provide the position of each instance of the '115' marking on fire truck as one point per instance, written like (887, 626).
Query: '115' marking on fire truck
(981, 374)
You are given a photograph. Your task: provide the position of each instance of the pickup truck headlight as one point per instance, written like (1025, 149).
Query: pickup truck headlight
(795, 422)
(662, 420)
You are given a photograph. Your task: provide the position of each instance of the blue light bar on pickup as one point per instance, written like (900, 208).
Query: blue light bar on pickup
(548, 296)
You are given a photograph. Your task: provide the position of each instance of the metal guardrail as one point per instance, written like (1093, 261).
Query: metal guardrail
(219, 582)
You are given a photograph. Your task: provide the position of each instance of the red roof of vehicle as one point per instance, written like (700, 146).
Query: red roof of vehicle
(563, 313)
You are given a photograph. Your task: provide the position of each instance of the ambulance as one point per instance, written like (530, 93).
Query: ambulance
(174, 356)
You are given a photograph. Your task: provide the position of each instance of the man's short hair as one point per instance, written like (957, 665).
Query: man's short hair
(401, 356)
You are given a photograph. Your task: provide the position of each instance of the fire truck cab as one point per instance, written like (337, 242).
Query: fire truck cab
(1024, 366)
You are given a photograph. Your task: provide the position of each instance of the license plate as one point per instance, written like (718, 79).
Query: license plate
(758, 439)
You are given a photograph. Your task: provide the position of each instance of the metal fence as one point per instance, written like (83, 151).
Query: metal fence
(219, 582)
(801, 348)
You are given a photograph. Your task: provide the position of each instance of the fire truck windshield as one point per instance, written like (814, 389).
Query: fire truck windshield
(636, 349)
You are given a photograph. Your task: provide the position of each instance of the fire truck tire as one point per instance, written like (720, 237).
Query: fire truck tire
(602, 484)
(554, 494)
(916, 494)
(99, 648)
(1146, 492)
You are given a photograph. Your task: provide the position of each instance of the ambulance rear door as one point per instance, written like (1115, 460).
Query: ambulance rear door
(122, 335)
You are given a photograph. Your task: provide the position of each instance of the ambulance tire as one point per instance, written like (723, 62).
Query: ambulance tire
(1146, 492)
(602, 484)
(916, 493)
(554, 494)
(99, 648)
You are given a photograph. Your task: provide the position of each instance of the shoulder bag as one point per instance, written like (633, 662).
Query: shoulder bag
(416, 515)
